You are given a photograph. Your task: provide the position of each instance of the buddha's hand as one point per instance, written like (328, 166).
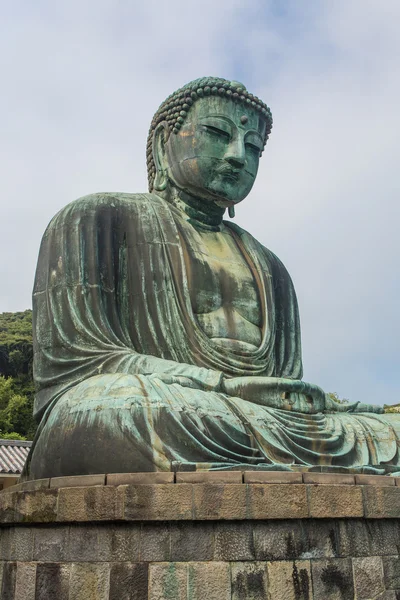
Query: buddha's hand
(371, 408)
(352, 407)
(276, 392)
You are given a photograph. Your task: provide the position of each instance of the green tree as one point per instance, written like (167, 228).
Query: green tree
(15, 412)
(394, 408)
(16, 380)
(16, 352)
(335, 397)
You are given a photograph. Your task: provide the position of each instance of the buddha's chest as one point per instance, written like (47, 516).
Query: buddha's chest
(222, 286)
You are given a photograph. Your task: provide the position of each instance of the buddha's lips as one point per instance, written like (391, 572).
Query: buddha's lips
(227, 171)
(234, 174)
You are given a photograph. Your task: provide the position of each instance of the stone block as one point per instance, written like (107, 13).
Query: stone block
(155, 542)
(168, 581)
(210, 580)
(358, 537)
(354, 537)
(320, 539)
(381, 502)
(97, 503)
(335, 501)
(233, 541)
(296, 539)
(52, 581)
(8, 581)
(77, 481)
(281, 477)
(384, 480)
(249, 581)
(219, 501)
(25, 583)
(368, 577)
(7, 507)
(39, 506)
(119, 542)
(83, 543)
(89, 581)
(51, 544)
(129, 581)
(6, 537)
(192, 541)
(333, 579)
(31, 486)
(90, 542)
(209, 477)
(385, 536)
(391, 570)
(329, 478)
(139, 478)
(277, 540)
(290, 580)
(276, 501)
(22, 543)
(156, 502)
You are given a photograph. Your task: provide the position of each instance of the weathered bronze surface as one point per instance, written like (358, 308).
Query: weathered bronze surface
(169, 339)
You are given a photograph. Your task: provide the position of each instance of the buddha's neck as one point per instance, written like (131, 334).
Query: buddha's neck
(202, 214)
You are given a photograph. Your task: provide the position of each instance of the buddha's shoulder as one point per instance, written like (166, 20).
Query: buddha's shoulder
(108, 203)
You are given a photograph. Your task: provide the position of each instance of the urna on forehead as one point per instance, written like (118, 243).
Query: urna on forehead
(174, 110)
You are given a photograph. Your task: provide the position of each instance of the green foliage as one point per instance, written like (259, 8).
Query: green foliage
(15, 410)
(336, 398)
(16, 352)
(394, 408)
(16, 380)
(12, 436)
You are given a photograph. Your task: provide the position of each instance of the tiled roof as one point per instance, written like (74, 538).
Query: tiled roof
(13, 454)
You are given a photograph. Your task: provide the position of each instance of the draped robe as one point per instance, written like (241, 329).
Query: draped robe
(125, 378)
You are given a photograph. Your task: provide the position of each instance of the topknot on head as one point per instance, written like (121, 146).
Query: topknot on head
(175, 108)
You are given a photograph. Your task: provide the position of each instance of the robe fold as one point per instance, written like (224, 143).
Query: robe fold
(126, 380)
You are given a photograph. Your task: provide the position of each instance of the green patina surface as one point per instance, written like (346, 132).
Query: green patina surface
(166, 337)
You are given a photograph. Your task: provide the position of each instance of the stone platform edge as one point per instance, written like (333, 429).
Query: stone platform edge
(204, 496)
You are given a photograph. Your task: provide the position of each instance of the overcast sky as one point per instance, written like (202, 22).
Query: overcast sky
(80, 81)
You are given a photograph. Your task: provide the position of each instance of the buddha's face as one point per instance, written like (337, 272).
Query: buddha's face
(215, 155)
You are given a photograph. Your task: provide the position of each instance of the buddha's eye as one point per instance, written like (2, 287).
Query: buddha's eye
(253, 148)
(217, 132)
(254, 143)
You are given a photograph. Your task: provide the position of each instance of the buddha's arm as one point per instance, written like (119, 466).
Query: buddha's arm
(358, 407)
(182, 373)
(277, 392)
(290, 394)
(57, 369)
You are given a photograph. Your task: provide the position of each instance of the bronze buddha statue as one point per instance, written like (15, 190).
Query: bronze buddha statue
(166, 338)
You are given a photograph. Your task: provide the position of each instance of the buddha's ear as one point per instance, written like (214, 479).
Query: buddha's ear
(160, 138)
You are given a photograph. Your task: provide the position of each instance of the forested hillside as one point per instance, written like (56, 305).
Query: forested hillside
(16, 383)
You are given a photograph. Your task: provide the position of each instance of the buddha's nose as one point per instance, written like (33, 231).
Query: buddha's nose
(235, 154)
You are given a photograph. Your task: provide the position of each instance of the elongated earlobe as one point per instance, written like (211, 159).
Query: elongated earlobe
(231, 212)
(160, 181)
(159, 139)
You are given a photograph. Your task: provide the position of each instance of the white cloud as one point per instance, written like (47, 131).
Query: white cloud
(82, 80)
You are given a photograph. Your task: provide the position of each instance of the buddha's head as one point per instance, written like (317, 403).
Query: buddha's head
(206, 139)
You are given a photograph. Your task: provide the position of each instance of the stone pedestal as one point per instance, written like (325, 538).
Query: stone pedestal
(201, 536)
